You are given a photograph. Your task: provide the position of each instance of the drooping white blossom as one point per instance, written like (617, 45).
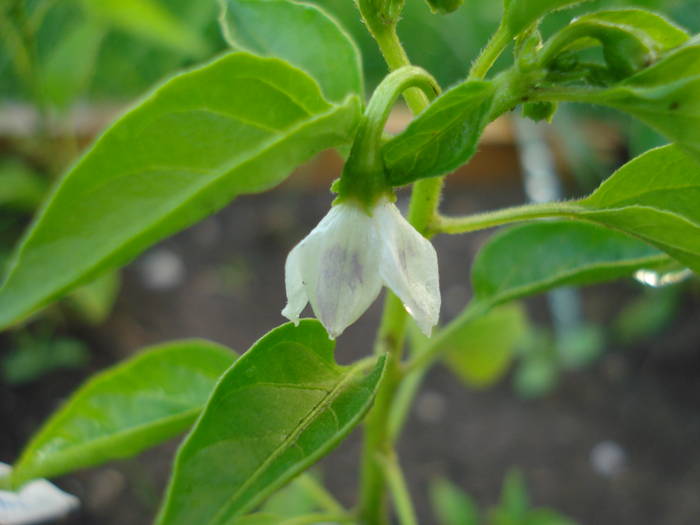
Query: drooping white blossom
(341, 266)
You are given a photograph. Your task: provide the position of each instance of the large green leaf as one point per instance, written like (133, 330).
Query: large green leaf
(21, 189)
(126, 409)
(282, 406)
(654, 197)
(443, 137)
(521, 14)
(631, 38)
(303, 34)
(237, 125)
(666, 96)
(533, 258)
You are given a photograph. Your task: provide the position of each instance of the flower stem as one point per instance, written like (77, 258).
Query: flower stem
(399, 490)
(488, 56)
(395, 57)
(378, 440)
(482, 221)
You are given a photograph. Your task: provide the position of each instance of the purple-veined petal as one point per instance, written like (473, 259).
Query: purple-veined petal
(408, 266)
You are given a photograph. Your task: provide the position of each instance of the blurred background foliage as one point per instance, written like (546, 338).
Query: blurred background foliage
(58, 57)
(109, 49)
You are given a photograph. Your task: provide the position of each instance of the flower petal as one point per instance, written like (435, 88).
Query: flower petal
(339, 267)
(408, 266)
(294, 283)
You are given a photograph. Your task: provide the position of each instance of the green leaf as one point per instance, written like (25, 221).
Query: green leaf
(444, 6)
(521, 14)
(237, 125)
(655, 198)
(126, 409)
(147, 19)
(481, 350)
(647, 315)
(33, 358)
(20, 188)
(443, 137)
(514, 498)
(291, 501)
(303, 34)
(451, 505)
(94, 301)
(666, 96)
(664, 33)
(66, 71)
(533, 258)
(580, 345)
(280, 408)
(631, 38)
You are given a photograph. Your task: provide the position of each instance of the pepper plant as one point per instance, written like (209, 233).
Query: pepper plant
(292, 87)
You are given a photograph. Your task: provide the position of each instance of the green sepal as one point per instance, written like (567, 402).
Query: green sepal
(364, 179)
(444, 6)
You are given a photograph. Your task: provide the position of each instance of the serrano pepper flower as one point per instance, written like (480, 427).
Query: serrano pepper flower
(364, 243)
(341, 266)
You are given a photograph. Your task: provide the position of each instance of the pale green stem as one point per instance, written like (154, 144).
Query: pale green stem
(378, 440)
(488, 56)
(585, 95)
(527, 212)
(403, 401)
(399, 490)
(395, 57)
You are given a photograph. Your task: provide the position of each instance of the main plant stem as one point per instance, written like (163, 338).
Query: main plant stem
(378, 440)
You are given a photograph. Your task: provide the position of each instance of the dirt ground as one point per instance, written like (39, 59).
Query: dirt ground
(224, 281)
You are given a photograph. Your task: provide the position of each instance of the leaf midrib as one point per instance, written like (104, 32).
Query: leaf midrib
(222, 514)
(172, 209)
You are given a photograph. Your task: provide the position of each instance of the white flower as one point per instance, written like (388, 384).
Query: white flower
(341, 266)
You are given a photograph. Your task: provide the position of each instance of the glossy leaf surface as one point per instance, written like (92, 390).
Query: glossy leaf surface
(275, 28)
(666, 96)
(533, 258)
(654, 197)
(126, 409)
(237, 125)
(632, 39)
(521, 14)
(443, 137)
(281, 407)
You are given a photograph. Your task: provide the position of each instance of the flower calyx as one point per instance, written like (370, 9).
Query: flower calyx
(364, 178)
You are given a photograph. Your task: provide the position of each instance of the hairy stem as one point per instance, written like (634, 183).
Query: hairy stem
(482, 221)
(378, 440)
(488, 56)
